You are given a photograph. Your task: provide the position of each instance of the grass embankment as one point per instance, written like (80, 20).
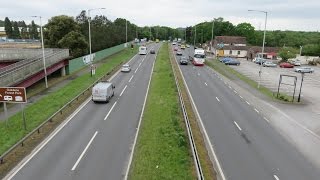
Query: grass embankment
(162, 150)
(230, 73)
(39, 111)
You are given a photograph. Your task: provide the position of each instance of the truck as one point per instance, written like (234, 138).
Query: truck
(102, 92)
(142, 50)
(198, 57)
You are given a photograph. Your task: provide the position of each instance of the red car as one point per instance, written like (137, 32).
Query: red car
(175, 49)
(286, 65)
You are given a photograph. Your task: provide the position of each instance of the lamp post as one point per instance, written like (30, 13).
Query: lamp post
(264, 38)
(43, 57)
(89, 19)
(300, 50)
(195, 36)
(212, 35)
(126, 32)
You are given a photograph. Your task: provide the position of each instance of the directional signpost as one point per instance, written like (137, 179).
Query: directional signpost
(12, 95)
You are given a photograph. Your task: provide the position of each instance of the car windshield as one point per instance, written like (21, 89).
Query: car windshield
(199, 56)
(126, 66)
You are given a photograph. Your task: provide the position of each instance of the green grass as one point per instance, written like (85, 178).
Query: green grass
(230, 73)
(162, 150)
(41, 110)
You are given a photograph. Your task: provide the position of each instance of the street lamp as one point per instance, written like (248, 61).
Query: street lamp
(212, 34)
(126, 32)
(264, 38)
(89, 19)
(43, 57)
(195, 36)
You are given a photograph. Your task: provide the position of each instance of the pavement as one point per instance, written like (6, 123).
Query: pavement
(252, 138)
(96, 140)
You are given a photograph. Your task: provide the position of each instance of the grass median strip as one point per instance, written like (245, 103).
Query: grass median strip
(162, 150)
(39, 111)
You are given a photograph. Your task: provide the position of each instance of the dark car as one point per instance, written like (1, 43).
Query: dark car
(232, 62)
(152, 51)
(179, 53)
(183, 61)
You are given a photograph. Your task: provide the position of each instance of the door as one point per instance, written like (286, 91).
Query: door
(221, 53)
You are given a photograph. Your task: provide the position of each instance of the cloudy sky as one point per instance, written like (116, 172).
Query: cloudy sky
(295, 15)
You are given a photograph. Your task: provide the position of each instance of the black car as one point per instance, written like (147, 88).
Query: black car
(232, 62)
(152, 51)
(183, 61)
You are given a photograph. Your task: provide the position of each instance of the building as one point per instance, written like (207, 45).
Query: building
(230, 46)
(269, 52)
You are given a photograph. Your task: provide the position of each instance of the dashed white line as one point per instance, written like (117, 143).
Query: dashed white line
(198, 74)
(123, 90)
(235, 91)
(237, 125)
(136, 70)
(266, 119)
(139, 64)
(247, 102)
(105, 118)
(256, 110)
(130, 78)
(230, 87)
(206, 84)
(84, 151)
(218, 99)
(276, 177)
(240, 96)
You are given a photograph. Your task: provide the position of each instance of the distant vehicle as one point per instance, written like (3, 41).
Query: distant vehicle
(183, 46)
(175, 48)
(188, 46)
(225, 59)
(198, 57)
(232, 62)
(157, 40)
(103, 91)
(296, 62)
(286, 65)
(304, 70)
(152, 51)
(164, 41)
(183, 60)
(142, 50)
(125, 68)
(174, 43)
(269, 64)
(179, 53)
(259, 61)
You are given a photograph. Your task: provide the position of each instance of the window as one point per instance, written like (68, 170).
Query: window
(230, 52)
(238, 52)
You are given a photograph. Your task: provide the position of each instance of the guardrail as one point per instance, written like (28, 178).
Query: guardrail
(60, 111)
(195, 155)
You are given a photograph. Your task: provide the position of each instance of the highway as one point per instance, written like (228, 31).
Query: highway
(246, 145)
(96, 141)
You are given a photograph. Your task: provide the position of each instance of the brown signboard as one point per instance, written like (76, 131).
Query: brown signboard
(13, 94)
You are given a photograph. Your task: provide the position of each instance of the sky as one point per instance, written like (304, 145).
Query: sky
(296, 15)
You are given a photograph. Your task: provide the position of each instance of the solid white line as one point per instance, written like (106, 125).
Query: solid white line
(123, 90)
(84, 151)
(131, 78)
(256, 110)
(140, 119)
(276, 177)
(206, 84)
(266, 119)
(237, 125)
(105, 118)
(240, 96)
(19, 167)
(247, 102)
(218, 99)
(136, 70)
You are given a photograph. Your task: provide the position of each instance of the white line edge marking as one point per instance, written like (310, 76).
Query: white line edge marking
(123, 90)
(105, 118)
(240, 96)
(130, 78)
(140, 119)
(218, 99)
(206, 84)
(276, 177)
(237, 125)
(84, 151)
(25, 160)
(204, 129)
(247, 102)
(266, 119)
(256, 110)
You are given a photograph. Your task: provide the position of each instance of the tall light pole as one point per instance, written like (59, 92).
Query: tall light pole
(150, 33)
(89, 19)
(43, 56)
(212, 34)
(185, 35)
(195, 36)
(126, 32)
(264, 39)
(300, 50)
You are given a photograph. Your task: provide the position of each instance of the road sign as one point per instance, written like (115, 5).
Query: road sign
(13, 94)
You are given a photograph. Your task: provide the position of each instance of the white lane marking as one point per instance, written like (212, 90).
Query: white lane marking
(105, 118)
(237, 125)
(225, 83)
(235, 91)
(256, 110)
(130, 78)
(230, 87)
(140, 119)
(123, 90)
(247, 102)
(84, 151)
(218, 99)
(136, 70)
(206, 84)
(15, 171)
(266, 119)
(139, 64)
(240, 96)
(276, 177)
(115, 74)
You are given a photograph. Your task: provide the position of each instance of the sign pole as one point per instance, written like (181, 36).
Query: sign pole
(5, 113)
(23, 117)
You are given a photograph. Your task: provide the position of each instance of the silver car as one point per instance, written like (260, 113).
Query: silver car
(125, 68)
(304, 70)
(269, 64)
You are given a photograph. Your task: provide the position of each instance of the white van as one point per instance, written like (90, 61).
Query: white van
(142, 50)
(103, 91)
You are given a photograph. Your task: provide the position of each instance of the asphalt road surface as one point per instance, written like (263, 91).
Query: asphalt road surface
(96, 142)
(247, 147)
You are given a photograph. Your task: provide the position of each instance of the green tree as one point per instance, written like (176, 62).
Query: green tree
(76, 42)
(33, 31)
(16, 31)
(287, 52)
(8, 27)
(24, 31)
(245, 30)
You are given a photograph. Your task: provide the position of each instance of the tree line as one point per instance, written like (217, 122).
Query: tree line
(19, 29)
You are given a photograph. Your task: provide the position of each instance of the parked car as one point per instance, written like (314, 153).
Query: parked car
(183, 61)
(175, 49)
(296, 62)
(259, 61)
(225, 59)
(304, 69)
(286, 65)
(125, 68)
(232, 62)
(269, 64)
(179, 53)
(152, 51)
